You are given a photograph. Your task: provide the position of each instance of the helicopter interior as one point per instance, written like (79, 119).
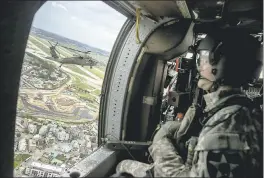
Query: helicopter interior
(130, 107)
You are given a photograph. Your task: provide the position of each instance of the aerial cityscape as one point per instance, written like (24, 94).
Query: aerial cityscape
(57, 107)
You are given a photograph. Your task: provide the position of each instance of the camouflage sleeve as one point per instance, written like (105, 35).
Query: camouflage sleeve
(134, 168)
(167, 162)
(225, 148)
(211, 163)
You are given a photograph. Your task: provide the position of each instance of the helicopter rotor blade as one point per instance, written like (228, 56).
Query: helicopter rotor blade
(50, 43)
(57, 51)
(75, 52)
(75, 49)
(71, 48)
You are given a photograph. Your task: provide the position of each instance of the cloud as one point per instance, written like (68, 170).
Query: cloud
(90, 22)
(56, 4)
(73, 18)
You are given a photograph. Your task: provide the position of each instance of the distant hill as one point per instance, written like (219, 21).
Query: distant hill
(63, 40)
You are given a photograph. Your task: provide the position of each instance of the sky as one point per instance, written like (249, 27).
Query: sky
(90, 22)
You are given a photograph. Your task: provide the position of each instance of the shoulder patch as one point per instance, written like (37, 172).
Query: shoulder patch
(224, 164)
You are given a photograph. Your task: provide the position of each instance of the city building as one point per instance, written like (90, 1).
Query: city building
(32, 129)
(63, 136)
(93, 139)
(75, 145)
(32, 145)
(37, 169)
(22, 144)
(41, 143)
(94, 146)
(67, 137)
(50, 139)
(16, 144)
(43, 130)
(88, 144)
(63, 147)
(37, 137)
(24, 122)
(81, 135)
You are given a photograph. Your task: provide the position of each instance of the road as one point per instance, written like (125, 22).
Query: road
(79, 112)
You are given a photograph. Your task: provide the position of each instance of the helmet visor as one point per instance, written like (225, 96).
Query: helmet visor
(202, 60)
(204, 66)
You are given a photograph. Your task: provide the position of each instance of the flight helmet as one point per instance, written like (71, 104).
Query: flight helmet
(229, 57)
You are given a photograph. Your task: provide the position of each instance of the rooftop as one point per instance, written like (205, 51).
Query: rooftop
(46, 167)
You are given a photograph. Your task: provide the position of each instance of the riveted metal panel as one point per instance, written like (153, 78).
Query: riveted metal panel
(120, 78)
(89, 165)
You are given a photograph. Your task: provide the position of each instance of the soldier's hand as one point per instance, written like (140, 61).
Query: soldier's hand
(167, 130)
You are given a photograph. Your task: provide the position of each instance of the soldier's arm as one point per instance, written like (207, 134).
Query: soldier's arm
(226, 144)
(206, 163)
(167, 161)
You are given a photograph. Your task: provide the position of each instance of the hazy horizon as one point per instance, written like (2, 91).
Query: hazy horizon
(71, 39)
(90, 22)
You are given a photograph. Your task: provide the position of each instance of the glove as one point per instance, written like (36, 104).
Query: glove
(167, 130)
(133, 167)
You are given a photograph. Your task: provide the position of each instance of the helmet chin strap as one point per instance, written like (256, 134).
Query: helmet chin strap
(208, 86)
(205, 84)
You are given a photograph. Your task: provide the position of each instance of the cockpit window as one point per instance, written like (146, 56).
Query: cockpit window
(60, 86)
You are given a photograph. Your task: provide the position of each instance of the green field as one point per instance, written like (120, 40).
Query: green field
(19, 103)
(93, 106)
(77, 81)
(64, 52)
(97, 92)
(42, 40)
(61, 50)
(61, 157)
(95, 71)
(61, 121)
(39, 45)
(87, 96)
(76, 69)
(102, 68)
(19, 158)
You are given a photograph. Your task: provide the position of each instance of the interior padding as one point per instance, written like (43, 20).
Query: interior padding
(171, 39)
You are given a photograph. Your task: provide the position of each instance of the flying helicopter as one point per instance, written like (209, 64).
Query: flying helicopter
(77, 58)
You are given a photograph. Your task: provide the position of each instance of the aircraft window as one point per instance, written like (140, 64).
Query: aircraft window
(61, 79)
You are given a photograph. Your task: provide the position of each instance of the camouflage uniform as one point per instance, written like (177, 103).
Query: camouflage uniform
(139, 169)
(135, 168)
(227, 145)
